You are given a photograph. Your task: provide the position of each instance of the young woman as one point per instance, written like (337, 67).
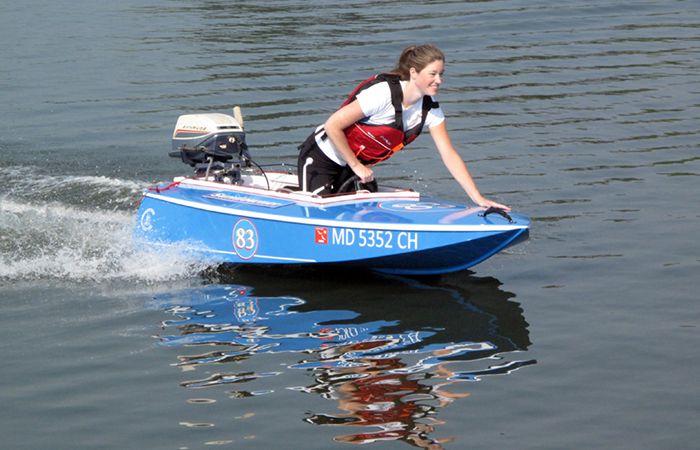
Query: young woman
(382, 115)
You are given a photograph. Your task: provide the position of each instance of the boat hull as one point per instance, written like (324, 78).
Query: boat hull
(399, 233)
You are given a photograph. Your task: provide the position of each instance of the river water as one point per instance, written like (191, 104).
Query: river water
(583, 115)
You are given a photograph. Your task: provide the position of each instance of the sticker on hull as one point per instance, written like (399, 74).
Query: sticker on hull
(245, 239)
(321, 235)
(380, 239)
(147, 219)
(416, 206)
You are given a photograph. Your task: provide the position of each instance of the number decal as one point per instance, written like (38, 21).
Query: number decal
(245, 239)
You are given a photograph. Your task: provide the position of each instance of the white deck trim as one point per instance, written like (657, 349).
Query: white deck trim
(329, 222)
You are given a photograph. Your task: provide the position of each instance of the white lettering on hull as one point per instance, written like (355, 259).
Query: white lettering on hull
(383, 239)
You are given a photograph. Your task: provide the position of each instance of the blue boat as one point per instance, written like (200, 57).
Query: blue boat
(232, 210)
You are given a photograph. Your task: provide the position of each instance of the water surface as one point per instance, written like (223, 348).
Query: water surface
(583, 115)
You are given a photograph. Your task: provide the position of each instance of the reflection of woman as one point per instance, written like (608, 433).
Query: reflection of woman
(376, 396)
(382, 115)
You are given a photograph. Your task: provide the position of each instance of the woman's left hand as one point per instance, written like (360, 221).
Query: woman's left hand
(490, 203)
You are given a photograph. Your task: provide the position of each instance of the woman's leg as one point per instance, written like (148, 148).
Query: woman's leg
(321, 173)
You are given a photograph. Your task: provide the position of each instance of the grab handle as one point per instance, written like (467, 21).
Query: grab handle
(499, 211)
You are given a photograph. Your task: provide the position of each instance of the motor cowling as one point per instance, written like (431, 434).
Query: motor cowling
(201, 138)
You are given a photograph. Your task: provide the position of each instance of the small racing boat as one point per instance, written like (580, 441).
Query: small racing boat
(232, 210)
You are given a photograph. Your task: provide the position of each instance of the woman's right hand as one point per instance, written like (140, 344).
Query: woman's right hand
(364, 173)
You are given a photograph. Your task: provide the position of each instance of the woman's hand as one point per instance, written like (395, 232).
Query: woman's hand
(364, 173)
(490, 203)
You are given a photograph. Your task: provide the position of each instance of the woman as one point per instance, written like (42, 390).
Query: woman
(380, 117)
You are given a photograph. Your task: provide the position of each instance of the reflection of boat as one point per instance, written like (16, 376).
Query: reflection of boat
(391, 369)
(453, 328)
(234, 211)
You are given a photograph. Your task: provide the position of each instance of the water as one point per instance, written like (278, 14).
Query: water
(583, 115)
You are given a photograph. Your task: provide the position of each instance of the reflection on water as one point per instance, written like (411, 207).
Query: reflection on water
(390, 361)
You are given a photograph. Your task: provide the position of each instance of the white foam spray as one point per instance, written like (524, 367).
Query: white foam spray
(74, 238)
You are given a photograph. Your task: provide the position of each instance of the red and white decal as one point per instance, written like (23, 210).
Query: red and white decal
(321, 235)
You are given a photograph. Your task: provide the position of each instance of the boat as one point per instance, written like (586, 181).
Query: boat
(232, 210)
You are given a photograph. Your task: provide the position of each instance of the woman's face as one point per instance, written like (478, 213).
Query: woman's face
(429, 79)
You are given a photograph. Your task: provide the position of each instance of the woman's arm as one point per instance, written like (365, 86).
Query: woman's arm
(336, 123)
(455, 164)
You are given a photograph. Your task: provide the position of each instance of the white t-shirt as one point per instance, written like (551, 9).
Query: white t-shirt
(375, 103)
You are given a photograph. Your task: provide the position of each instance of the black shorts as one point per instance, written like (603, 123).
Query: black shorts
(322, 172)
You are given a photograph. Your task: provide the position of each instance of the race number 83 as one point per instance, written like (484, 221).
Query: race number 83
(245, 239)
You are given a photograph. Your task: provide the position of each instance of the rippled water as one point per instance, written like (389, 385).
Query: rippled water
(583, 115)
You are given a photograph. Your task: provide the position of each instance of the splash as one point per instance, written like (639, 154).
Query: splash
(57, 240)
(92, 191)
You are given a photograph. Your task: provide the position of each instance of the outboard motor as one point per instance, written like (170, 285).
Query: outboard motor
(203, 140)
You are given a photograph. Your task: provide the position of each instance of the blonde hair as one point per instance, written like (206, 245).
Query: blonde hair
(416, 56)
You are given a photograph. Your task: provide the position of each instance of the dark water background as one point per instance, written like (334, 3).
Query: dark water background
(584, 115)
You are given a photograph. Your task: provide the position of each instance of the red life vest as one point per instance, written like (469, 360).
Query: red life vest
(374, 143)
